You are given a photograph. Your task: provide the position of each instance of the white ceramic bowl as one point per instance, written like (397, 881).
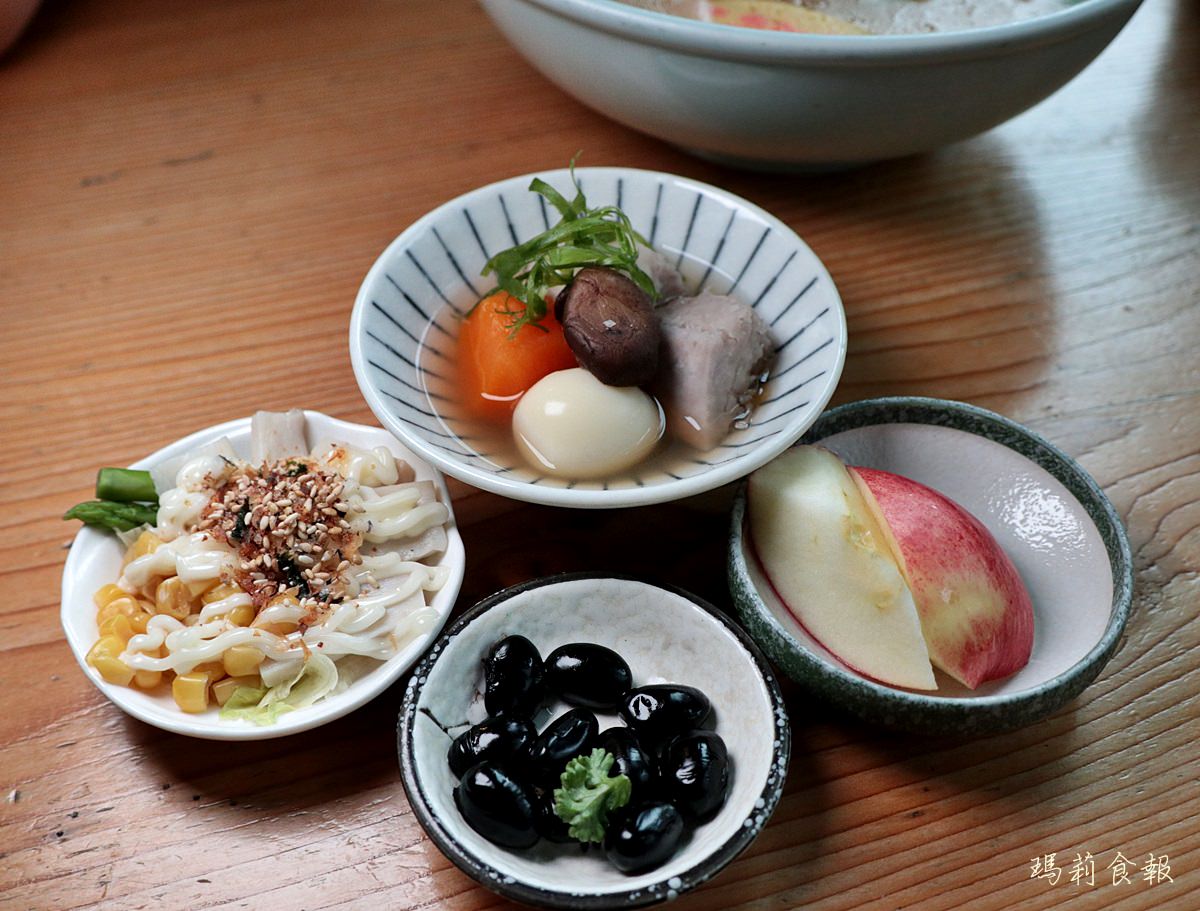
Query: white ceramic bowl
(1047, 513)
(664, 635)
(95, 559)
(759, 98)
(429, 276)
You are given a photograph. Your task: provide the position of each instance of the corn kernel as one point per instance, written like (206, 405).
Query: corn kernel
(241, 660)
(138, 620)
(214, 669)
(191, 691)
(117, 625)
(223, 689)
(147, 543)
(106, 593)
(125, 605)
(198, 587)
(220, 592)
(172, 597)
(105, 647)
(114, 670)
(147, 680)
(242, 615)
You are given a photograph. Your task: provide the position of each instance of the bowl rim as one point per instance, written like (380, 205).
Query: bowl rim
(512, 488)
(311, 717)
(728, 42)
(877, 701)
(503, 884)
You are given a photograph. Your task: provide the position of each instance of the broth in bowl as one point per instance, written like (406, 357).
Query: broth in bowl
(598, 369)
(414, 314)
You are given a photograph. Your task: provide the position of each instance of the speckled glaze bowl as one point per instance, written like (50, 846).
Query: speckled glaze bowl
(1048, 514)
(666, 636)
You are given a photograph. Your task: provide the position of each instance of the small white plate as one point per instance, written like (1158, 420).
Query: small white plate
(411, 302)
(95, 559)
(665, 636)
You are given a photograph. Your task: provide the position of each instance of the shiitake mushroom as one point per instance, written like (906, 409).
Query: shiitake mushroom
(610, 326)
(587, 674)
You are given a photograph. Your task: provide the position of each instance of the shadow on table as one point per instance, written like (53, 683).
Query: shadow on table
(347, 757)
(1167, 124)
(940, 263)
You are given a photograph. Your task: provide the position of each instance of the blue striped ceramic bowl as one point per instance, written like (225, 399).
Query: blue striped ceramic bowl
(406, 318)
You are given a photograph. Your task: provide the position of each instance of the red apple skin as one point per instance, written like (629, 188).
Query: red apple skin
(975, 611)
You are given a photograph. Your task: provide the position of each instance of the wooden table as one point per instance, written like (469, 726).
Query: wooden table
(191, 193)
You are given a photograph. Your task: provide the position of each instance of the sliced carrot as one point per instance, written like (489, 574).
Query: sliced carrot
(494, 370)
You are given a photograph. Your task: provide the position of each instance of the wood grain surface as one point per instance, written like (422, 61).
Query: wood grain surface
(190, 194)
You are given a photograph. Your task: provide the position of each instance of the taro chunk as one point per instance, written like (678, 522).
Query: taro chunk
(714, 350)
(667, 280)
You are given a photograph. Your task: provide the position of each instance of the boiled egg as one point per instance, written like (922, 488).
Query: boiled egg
(572, 425)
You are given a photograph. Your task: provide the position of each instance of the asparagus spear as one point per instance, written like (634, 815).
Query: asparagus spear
(127, 499)
(125, 485)
(117, 516)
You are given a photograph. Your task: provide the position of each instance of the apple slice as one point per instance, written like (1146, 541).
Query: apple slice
(975, 612)
(822, 549)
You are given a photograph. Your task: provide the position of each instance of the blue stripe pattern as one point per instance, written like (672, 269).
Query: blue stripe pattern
(412, 318)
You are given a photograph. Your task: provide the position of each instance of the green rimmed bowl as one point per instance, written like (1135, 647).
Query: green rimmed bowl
(1048, 514)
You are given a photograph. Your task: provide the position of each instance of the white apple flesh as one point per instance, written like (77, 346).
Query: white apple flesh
(820, 545)
(975, 612)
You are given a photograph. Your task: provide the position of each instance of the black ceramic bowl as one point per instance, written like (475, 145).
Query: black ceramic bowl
(665, 636)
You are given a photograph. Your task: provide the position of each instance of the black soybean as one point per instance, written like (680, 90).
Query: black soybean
(642, 837)
(508, 772)
(497, 806)
(695, 774)
(586, 674)
(660, 711)
(548, 823)
(631, 760)
(496, 739)
(513, 677)
(567, 736)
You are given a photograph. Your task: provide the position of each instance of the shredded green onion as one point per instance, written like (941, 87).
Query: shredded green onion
(583, 237)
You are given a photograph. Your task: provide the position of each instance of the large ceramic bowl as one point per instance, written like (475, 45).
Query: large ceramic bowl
(768, 99)
(665, 636)
(409, 308)
(1050, 517)
(95, 559)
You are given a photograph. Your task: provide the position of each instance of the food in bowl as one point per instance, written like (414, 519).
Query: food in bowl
(765, 99)
(266, 584)
(589, 358)
(855, 17)
(635, 789)
(890, 576)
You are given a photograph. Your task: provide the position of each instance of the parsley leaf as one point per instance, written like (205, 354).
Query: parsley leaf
(588, 794)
